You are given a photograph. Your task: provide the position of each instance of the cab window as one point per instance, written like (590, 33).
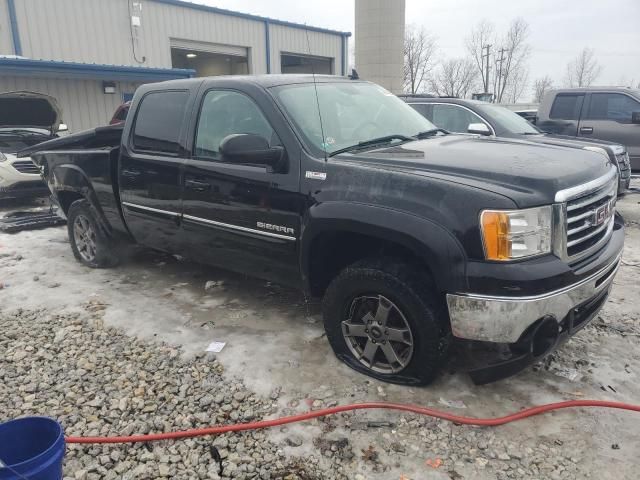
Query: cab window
(158, 122)
(567, 106)
(454, 118)
(612, 106)
(226, 112)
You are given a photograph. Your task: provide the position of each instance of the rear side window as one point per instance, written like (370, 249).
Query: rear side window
(158, 122)
(567, 106)
(612, 106)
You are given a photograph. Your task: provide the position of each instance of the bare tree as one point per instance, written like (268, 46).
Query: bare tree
(419, 50)
(455, 77)
(517, 85)
(481, 36)
(583, 70)
(540, 87)
(510, 60)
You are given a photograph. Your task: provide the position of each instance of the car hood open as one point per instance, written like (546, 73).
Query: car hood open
(29, 109)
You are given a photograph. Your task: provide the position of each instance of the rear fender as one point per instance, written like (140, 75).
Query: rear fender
(70, 178)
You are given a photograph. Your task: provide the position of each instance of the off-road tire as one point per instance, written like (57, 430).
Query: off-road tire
(105, 254)
(412, 291)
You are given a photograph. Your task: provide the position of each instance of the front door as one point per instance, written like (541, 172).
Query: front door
(608, 117)
(150, 171)
(239, 216)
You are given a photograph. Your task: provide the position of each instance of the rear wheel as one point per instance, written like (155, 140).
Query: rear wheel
(89, 244)
(382, 319)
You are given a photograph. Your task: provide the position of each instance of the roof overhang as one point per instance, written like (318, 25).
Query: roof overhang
(89, 71)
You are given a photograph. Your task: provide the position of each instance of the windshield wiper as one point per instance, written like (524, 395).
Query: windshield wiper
(373, 142)
(531, 133)
(429, 133)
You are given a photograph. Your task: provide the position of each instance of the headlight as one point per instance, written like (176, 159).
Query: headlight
(511, 234)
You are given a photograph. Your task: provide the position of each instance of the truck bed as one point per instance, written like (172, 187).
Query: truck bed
(83, 165)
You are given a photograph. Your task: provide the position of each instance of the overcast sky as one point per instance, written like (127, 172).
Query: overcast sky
(559, 28)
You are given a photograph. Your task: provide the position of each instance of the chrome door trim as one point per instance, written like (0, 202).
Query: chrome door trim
(150, 209)
(213, 223)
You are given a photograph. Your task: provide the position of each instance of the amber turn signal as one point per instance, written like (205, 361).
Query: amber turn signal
(495, 233)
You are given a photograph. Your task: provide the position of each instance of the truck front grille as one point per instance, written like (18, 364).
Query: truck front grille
(589, 220)
(25, 166)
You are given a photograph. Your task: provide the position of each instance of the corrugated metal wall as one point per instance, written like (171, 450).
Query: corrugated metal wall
(83, 103)
(99, 31)
(6, 42)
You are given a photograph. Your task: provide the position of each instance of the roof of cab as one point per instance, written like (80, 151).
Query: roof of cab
(266, 80)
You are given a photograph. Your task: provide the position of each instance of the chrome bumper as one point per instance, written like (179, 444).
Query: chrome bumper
(504, 319)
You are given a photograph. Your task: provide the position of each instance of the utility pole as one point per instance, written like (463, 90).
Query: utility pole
(500, 87)
(486, 47)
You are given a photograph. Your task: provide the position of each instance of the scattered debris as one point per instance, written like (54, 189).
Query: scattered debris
(370, 454)
(452, 403)
(434, 462)
(17, 221)
(615, 446)
(568, 373)
(212, 285)
(216, 347)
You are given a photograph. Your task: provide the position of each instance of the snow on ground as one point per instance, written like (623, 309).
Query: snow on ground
(275, 345)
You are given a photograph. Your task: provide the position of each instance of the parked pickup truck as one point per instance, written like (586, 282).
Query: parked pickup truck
(604, 113)
(412, 236)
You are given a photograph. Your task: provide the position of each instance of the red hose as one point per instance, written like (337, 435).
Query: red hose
(483, 422)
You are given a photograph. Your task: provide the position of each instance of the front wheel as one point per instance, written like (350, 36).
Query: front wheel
(383, 320)
(89, 244)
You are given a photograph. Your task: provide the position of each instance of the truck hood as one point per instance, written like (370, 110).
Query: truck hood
(29, 109)
(528, 173)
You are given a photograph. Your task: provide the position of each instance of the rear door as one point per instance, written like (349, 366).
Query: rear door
(242, 217)
(607, 116)
(150, 170)
(564, 115)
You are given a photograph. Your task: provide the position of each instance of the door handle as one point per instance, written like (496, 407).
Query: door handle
(131, 173)
(586, 129)
(197, 186)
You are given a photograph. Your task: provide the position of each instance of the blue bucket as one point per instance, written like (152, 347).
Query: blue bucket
(33, 447)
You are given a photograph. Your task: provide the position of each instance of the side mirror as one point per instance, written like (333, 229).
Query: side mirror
(635, 117)
(63, 128)
(479, 129)
(248, 148)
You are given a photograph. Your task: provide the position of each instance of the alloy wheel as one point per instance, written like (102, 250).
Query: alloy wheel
(85, 238)
(378, 334)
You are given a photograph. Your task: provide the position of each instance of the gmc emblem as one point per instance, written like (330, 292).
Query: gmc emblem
(601, 215)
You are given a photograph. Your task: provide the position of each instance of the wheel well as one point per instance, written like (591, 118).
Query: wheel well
(66, 198)
(333, 251)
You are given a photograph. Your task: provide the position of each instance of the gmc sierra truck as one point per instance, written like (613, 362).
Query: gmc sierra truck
(413, 237)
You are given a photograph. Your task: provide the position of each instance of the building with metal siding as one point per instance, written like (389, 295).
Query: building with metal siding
(160, 38)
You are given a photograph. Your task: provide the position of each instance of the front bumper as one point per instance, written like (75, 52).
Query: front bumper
(502, 319)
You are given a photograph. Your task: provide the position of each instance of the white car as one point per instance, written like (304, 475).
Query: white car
(26, 118)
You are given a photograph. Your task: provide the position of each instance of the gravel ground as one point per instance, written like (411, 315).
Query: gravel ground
(115, 352)
(97, 381)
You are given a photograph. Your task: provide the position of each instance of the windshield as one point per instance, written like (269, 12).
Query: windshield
(351, 113)
(510, 121)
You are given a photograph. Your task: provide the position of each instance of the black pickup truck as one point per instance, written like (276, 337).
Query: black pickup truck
(413, 237)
